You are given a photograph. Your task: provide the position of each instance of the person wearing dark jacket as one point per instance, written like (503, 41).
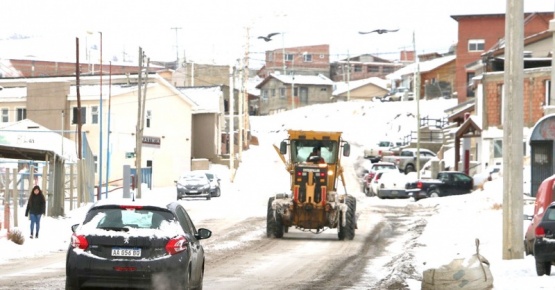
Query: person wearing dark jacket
(36, 207)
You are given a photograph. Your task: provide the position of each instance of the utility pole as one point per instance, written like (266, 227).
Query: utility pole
(240, 110)
(231, 123)
(138, 142)
(348, 76)
(141, 99)
(513, 123)
(176, 47)
(246, 126)
(283, 51)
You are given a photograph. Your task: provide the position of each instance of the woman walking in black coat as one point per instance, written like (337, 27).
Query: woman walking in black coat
(36, 206)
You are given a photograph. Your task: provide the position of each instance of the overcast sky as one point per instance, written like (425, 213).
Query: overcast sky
(215, 30)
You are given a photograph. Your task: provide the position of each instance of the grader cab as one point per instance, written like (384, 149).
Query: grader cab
(312, 159)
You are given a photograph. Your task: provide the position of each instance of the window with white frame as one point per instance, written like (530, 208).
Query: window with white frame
(282, 93)
(74, 115)
(547, 93)
(288, 57)
(476, 45)
(94, 115)
(148, 118)
(5, 115)
(308, 58)
(21, 114)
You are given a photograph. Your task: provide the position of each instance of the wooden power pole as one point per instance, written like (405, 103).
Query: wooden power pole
(513, 122)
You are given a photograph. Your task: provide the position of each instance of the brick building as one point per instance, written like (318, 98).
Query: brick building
(300, 60)
(473, 40)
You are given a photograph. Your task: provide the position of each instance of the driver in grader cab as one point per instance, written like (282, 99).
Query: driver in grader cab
(315, 156)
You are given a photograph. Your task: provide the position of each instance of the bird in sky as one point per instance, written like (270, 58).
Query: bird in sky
(379, 31)
(269, 36)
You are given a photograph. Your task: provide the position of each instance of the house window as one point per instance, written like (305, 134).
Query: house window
(476, 45)
(148, 118)
(373, 69)
(282, 93)
(358, 68)
(387, 69)
(5, 115)
(469, 90)
(547, 93)
(295, 92)
(95, 164)
(265, 94)
(94, 115)
(75, 115)
(497, 148)
(21, 114)
(288, 57)
(273, 92)
(270, 56)
(308, 58)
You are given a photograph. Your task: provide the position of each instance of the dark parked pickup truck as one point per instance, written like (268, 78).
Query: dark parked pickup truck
(446, 183)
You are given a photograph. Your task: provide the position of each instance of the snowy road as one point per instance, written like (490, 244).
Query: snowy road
(240, 256)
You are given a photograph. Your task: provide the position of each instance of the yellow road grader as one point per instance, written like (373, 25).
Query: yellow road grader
(312, 159)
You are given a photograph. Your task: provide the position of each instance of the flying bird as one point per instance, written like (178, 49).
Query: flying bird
(269, 37)
(379, 31)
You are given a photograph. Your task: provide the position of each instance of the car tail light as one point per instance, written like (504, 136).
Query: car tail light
(419, 184)
(176, 245)
(80, 242)
(540, 232)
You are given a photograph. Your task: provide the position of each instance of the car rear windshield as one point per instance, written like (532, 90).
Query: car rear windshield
(117, 217)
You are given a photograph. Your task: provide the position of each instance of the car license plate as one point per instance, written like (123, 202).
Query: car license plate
(193, 191)
(126, 252)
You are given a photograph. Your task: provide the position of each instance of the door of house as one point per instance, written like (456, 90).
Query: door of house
(304, 95)
(541, 161)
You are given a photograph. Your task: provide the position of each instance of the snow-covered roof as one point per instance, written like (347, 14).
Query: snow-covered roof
(31, 135)
(342, 87)
(301, 79)
(424, 66)
(207, 99)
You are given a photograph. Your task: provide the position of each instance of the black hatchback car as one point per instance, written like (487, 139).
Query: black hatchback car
(544, 242)
(136, 244)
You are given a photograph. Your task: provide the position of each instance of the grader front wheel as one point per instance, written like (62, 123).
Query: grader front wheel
(348, 231)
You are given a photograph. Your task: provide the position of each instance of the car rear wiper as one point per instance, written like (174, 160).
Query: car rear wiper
(117, 229)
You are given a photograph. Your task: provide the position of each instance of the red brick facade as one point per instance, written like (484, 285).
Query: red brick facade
(473, 27)
(319, 63)
(534, 97)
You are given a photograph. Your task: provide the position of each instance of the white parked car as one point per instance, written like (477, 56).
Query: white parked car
(389, 184)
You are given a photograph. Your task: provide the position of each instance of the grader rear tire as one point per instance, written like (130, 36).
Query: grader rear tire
(274, 225)
(348, 231)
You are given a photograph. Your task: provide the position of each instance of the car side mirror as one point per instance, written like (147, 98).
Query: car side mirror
(74, 227)
(203, 234)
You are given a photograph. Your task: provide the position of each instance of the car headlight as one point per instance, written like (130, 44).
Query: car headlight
(206, 186)
(180, 186)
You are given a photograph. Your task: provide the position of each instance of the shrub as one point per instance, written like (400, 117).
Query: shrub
(16, 236)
